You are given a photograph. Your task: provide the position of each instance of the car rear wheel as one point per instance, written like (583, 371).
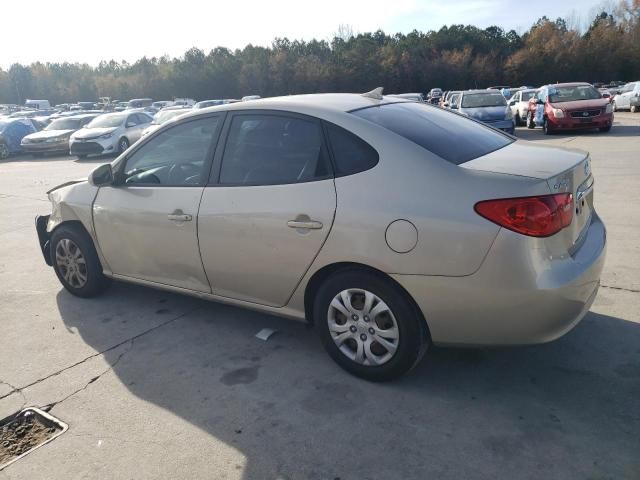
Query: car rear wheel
(368, 325)
(633, 108)
(123, 144)
(530, 123)
(4, 151)
(546, 128)
(76, 262)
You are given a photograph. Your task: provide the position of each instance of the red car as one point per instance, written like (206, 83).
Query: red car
(569, 106)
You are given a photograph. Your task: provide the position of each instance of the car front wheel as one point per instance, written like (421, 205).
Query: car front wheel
(76, 261)
(368, 325)
(123, 144)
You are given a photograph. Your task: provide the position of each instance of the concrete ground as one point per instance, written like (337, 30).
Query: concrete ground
(156, 385)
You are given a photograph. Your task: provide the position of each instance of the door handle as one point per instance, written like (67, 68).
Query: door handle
(307, 225)
(179, 216)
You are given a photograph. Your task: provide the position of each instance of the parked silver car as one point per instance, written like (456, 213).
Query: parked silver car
(388, 224)
(628, 98)
(109, 133)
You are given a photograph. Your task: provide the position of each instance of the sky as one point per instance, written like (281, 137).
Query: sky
(90, 31)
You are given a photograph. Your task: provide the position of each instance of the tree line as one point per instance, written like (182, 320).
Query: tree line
(454, 57)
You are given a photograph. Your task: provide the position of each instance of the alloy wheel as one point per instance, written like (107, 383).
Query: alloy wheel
(71, 263)
(363, 327)
(4, 151)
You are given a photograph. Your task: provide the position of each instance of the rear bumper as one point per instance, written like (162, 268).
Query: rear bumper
(504, 125)
(520, 295)
(43, 237)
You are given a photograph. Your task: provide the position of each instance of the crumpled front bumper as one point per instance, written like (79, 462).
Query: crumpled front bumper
(43, 237)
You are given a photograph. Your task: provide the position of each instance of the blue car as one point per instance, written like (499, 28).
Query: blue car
(488, 107)
(12, 131)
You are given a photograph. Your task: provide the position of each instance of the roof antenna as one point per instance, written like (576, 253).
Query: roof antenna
(376, 93)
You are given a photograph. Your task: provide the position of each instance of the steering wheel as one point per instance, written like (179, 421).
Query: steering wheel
(182, 173)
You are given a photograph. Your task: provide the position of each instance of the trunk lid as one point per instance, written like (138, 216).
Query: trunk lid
(562, 170)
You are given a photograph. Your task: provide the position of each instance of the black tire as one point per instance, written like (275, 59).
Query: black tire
(4, 151)
(518, 119)
(633, 108)
(605, 129)
(546, 129)
(123, 144)
(530, 123)
(81, 157)
(96, 282)
(413, 338)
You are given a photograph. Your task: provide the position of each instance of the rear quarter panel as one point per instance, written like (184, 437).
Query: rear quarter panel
(412, 184)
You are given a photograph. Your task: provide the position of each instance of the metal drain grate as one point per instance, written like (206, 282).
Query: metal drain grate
(23, 432)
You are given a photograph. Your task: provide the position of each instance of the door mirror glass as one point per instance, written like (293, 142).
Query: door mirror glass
(103, 175)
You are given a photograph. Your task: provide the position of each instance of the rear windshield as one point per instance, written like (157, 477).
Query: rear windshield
(451, 136)
(478, 100)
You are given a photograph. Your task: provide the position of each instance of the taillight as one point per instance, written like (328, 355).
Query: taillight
(541, 216)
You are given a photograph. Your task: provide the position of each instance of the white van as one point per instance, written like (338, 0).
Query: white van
(37, 104)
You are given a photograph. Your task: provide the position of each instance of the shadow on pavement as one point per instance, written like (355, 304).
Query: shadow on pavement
(567, 409)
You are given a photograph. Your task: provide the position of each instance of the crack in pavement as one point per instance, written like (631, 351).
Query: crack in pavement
(48, 407)
(97, 354)
(13, 390)
(631, 290)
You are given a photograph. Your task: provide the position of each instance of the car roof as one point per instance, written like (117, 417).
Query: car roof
(317, 102)
(491, 91)
(568, 84)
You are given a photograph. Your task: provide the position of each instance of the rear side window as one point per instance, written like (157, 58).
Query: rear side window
(350, 153)
(452, 137)
(272, 150)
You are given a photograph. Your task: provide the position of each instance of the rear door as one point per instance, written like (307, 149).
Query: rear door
(268, 208)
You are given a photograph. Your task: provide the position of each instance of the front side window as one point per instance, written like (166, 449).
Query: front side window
(273, 149)
(177, 157)
(451, 136)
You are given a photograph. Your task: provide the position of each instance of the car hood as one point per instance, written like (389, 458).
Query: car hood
(581, 104)
(486, 113)
(66, 184)
(44, 134)
(93, 132)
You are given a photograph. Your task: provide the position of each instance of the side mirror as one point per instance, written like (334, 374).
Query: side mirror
(101, 176)
(445, 104)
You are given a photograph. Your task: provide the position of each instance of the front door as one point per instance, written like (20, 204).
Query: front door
(269, 208)
(146, 223)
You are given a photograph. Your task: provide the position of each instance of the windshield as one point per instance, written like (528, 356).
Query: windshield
(165, 116)
(571, 94)
(451, 136)
(107, 121)
(477, 100)
(64, 124)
